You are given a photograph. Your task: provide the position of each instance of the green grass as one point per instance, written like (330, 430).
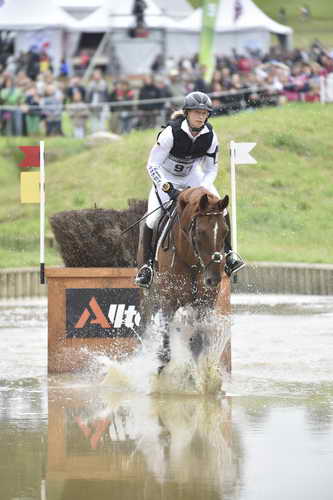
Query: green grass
(319, 26)
(285, 202)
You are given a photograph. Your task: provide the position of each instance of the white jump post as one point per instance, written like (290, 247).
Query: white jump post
(42, 211)
(239, 155)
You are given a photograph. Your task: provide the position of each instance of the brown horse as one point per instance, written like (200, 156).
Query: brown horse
(190, 260)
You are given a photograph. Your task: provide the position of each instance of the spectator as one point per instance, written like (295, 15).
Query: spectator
(217, 100)
(200, 85)
(122, 116)
(44, 61)
(165, 93)
(11, 65)
(52, 110)
(97, 97)
(176, 84)
(33, 113)
(273, 89)
(226, 78)
(64, 68)
(79, 113)
(11, 96)
(149, 111)
(74, 86)
(33, 62)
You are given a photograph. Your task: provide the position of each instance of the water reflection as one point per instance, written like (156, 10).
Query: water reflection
(271, 438)
(138, 447)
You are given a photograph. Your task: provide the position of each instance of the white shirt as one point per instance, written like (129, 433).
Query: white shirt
(163, 167)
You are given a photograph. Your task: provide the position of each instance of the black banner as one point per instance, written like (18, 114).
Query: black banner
(102, 312)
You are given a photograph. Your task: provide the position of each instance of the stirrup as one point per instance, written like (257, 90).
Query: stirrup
(236, 264)
(144, 276)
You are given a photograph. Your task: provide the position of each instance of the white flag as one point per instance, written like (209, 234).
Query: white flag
(241, 153)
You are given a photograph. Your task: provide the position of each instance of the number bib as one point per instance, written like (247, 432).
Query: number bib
(176, 167)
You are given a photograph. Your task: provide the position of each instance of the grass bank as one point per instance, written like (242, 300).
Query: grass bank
(285, 202)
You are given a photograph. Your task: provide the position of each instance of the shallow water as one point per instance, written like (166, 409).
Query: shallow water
(270, 436)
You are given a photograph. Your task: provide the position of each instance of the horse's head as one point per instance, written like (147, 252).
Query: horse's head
(202, 222)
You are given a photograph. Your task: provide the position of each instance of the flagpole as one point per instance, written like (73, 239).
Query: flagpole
(42, 212)
(233, 197)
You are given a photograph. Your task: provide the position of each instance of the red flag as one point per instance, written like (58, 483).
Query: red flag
(31, 156)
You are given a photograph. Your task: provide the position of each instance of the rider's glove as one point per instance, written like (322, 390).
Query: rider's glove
(168, 188)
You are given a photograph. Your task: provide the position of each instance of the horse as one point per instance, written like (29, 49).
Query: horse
(189, 261)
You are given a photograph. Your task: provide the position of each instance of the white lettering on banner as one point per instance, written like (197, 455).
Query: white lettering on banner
(119, 316)
(241, 151)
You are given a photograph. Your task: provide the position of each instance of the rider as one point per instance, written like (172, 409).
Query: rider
(185, 155)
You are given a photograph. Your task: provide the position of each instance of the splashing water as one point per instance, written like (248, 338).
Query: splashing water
(187, 372)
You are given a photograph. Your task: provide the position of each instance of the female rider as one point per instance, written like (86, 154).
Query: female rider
(185, 155)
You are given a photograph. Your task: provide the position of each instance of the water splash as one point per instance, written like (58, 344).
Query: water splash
(187, 372)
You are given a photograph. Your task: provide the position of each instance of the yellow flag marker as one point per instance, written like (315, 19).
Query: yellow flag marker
(30, 187)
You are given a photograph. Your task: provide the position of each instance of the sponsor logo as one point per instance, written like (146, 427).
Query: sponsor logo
(102, 312)
(99, 318)
(119, 314)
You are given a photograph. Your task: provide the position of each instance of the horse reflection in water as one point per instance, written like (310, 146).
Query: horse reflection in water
(189, 269)
(155, 444)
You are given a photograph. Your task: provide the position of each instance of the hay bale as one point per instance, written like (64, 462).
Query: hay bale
(92, 238)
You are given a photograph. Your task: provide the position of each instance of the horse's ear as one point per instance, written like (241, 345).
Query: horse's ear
(222, 204)
(203, 203)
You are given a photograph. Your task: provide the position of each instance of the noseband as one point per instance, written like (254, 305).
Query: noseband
(216, 257)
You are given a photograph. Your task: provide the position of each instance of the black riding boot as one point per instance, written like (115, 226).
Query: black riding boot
(145, 274)
(233, 262)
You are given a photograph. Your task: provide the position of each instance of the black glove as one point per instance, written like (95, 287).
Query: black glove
(168, 188)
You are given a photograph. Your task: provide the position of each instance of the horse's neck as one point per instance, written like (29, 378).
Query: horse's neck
(183, 246)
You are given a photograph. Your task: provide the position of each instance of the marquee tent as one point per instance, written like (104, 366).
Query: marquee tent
(37, 23)
(240, 24)
(134, 54)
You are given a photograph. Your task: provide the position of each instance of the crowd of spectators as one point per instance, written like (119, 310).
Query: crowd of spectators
(33, 100)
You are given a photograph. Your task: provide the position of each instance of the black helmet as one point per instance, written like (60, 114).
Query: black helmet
(198, 100)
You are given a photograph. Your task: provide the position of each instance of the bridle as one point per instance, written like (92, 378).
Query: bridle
(216, 257)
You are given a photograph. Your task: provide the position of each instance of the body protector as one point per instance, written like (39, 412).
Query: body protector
(184, 147)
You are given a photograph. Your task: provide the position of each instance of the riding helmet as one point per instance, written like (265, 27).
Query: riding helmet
(198, 100)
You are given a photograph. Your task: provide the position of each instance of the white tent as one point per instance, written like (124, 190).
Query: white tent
(37, 22)
(240, 24)
(134, 54)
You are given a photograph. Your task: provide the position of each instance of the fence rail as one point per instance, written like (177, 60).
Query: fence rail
(257, 277)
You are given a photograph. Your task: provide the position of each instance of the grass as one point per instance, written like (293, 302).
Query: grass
(285, 202)
(319, 26)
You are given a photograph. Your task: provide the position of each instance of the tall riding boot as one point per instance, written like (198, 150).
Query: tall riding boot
(233, 262)
(144, 276)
